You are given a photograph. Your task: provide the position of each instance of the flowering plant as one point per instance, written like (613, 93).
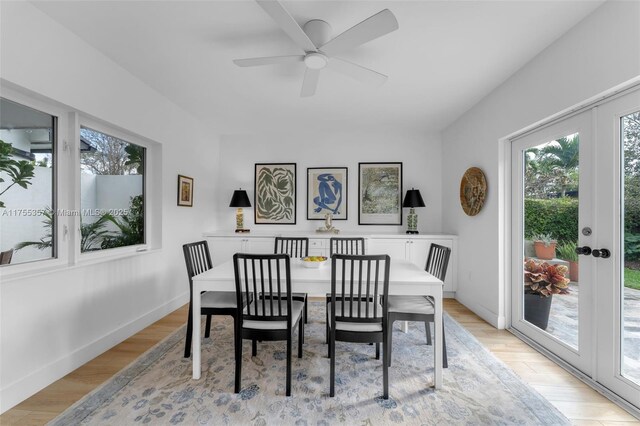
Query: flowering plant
(544, 279)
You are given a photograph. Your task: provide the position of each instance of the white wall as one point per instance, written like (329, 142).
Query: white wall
(599, 53)
(420, 155)
(51, 324)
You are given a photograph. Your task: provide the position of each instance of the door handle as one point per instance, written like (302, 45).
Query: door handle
(603, 253)
(586, 250)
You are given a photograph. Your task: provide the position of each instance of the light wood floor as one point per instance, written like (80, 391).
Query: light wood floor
(576, 400)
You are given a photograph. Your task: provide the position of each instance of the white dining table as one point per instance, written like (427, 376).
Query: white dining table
(405, 278)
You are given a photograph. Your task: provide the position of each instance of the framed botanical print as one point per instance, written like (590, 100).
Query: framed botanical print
(275, 194)
(185, 191)
(380, 193)
(327, 192)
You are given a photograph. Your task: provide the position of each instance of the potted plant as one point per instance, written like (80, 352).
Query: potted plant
(567, 251)
(545, 246)
(541, 282)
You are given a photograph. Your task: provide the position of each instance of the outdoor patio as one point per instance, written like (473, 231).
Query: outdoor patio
(563, 324)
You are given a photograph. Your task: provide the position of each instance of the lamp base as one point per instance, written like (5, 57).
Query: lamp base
(243, 231)
(412, 232)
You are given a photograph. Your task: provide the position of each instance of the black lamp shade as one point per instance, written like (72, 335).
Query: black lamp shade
(413, 199)
(240, 199)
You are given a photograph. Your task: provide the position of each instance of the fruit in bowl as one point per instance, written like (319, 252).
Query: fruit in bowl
(314, 261)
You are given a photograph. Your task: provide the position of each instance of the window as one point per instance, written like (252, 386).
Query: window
(111, 192)
(27, 184)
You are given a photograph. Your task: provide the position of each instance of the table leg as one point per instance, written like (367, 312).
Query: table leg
(404, 326)
(437, 341)
(195, 337)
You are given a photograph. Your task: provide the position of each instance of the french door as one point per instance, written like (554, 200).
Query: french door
(552, 197)
(617, 290)
(577, 183)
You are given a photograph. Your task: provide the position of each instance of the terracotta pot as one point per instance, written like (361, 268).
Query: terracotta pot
(573, 271)
(536, 309)
(545, 252)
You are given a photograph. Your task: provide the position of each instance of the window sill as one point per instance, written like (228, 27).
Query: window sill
(53, 266)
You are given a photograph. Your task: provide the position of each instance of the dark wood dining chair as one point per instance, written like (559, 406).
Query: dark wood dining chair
(342, 245)
(6, 256)
(296, 248)
(421, 308)
(361, 315)
(198, 260)
(271, 318)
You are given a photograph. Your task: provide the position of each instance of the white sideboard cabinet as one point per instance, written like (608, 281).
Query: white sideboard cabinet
(414, 248)
(223, 248)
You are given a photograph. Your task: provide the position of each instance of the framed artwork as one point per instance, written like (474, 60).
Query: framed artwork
(185, 191)
(275, 194)
(380, 193)
(327, 192)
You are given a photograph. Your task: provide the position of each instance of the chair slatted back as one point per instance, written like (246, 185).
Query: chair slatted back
(197, 258)
(266, 279)
(346, 246)
(296, 247)
(437, 261)
(360, 279)
(5, 257)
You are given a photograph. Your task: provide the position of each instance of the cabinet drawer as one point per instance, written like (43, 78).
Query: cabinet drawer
(317, 243)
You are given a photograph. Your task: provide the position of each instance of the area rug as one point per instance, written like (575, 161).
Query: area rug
(157, 388)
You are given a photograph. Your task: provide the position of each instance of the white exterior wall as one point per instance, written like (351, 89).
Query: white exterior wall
(420, 155)
(52, 323)
(599, 53)
(18, 226)
(115, 192)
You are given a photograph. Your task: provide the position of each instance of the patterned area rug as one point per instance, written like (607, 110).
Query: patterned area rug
(157, 388)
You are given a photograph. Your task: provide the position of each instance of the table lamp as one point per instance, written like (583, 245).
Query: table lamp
(412, 199)
(239, 200)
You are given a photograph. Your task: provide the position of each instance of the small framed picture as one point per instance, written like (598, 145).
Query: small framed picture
(275, 194)
(327, 192)
(380, 193)
(185, 191)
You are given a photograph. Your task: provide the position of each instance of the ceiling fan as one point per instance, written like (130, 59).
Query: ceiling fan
(314, 38)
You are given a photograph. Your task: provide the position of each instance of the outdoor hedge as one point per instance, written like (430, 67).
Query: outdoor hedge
(555, 216)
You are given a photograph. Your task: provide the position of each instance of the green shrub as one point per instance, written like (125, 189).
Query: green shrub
(556, 216)
(631, 246)
(632, 215)
(567, 251)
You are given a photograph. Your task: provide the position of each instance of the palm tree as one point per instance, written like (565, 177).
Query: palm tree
(563, 157)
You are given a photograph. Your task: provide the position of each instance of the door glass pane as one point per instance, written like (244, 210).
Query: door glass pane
(551, 236)
(630, 291)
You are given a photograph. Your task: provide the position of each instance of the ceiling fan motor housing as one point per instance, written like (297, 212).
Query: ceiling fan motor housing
(318, 31)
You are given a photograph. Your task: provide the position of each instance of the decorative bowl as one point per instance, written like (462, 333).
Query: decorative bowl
(314, 262)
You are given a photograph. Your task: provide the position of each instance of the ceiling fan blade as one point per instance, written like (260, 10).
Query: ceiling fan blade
(269, 60)
(371, 28)
(310, 82)
(357, 72)
(289, 25)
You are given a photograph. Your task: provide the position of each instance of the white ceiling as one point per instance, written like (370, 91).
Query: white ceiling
(445, 57)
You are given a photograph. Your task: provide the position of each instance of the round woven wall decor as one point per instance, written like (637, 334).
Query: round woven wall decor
(473, 191)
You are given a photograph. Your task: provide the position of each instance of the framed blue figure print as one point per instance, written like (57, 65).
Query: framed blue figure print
(327, 192)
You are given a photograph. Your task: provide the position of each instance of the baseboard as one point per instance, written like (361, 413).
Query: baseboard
(498, 321)
(18, 391)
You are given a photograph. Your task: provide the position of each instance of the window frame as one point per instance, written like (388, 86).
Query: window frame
(61, 165)
(111, 130)
(66, 190)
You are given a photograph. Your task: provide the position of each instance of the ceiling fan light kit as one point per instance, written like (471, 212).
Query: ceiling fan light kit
(315, 61)
(314, 38)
